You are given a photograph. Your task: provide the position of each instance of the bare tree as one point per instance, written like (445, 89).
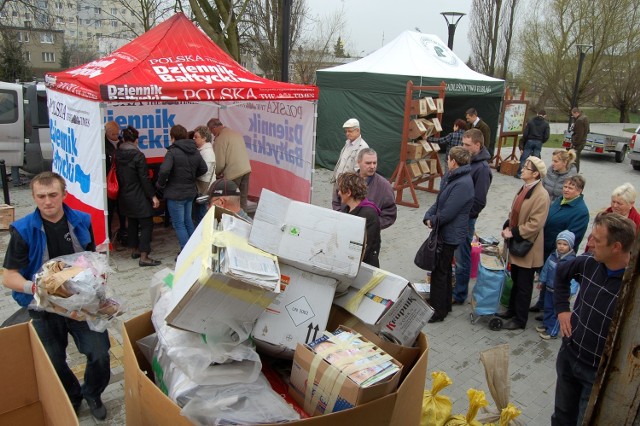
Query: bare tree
(143, 15)
(548, 41)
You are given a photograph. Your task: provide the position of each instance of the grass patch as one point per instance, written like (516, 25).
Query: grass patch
(629, 129)
(595, 115)
(555, 141)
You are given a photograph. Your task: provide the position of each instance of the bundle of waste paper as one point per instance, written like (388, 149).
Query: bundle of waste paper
(75, 286)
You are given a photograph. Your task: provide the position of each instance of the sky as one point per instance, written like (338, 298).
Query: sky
(372, 23)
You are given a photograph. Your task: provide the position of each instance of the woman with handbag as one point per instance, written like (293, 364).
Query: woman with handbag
(136, 196)
(449, 218)
(524, 237)
(202, 138)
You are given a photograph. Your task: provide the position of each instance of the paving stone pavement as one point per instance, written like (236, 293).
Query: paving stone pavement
(455, 344)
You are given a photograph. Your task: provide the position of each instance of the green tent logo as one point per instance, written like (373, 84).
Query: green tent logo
(439, 51)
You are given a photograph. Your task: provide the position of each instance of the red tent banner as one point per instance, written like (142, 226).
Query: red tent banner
(174, 61)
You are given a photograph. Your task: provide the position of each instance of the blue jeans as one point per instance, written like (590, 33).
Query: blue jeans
(463, 265)
(573, 388)
(180, 212)
(53, 330)
(532, 147)
(550, 319)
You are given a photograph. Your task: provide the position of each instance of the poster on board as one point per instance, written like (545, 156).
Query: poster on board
(514, 116)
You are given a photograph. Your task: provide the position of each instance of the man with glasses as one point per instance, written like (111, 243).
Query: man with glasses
(348, 156)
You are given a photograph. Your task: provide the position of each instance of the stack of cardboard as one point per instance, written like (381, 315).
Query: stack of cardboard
(315, 248)
(420, 152)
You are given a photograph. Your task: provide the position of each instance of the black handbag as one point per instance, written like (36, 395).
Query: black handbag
(519, 248)
(426, 255)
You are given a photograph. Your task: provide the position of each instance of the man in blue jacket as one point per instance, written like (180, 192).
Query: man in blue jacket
(473, 142)
(53, 230)
(585, 330)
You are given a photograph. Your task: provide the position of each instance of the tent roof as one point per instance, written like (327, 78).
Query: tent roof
(174, 61)
(414, 54)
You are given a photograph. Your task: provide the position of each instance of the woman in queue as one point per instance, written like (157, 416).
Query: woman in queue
(177, 179)
(450, 214)
(136, 196)
(524, 236)
(562, 167)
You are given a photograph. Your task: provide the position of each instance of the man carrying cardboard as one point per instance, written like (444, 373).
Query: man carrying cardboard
(585, 330)
(472, 141)
(232, 158)
(348, 156)
(53, 230)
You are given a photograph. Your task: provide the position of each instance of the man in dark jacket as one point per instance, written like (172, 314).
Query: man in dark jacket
(177, 178)
(472, 141)
(476, 122)
(535, 134)
(579, 134)
(585, 330)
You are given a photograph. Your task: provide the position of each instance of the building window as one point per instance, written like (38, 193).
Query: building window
(97, 10)
(71, 19)
(14, 14)
(27, 16)
(79, 7)
(114, 23)
(59, 5)
(46, 38)
(114, 11)
(59, 20)
(48, 57)
(23, 37)
(3, 14)
(27, 56)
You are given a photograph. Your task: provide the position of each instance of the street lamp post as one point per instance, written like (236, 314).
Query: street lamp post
(582, 50)
(452, 19)
(286, 25)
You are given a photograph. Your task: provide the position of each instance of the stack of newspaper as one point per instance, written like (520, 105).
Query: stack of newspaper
(244, 262)
(364, 363)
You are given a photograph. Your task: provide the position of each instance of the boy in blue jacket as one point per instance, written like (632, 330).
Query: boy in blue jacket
(563, 252)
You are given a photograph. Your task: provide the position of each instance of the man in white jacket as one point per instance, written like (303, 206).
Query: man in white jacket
(348, 156)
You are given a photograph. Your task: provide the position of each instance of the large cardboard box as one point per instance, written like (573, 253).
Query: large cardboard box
(416, 128)
(414, 151)
(419, 107)
(298, 315)
(424, 166)
(347, 396)
(7, 215)
(33, 394)
(509, 168)
(203, 298)
(388, 301)
(312, 238)
(147, 405)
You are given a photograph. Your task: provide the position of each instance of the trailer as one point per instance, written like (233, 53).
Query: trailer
(602, 144)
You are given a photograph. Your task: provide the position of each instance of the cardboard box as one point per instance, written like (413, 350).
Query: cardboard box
(431, 105)
(414, 170)
(202, 298)
(416, 128)
(394, 306)
(419, 107)
(414, 151)
(147, 405)
(298, 315)
(433, 166)
(440, 105)
(7, 215)
(312, 238)
(509, 168)
(349, 395)
(436, 124)
(429, 147)
(33, 392)
(428, 124)
(424, 166)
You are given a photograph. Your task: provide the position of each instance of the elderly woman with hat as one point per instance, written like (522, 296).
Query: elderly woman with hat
(524, 236)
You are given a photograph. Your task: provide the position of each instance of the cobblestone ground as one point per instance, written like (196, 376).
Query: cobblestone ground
(455, 344)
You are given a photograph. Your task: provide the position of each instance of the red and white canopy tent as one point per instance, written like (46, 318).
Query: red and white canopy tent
(175, 74)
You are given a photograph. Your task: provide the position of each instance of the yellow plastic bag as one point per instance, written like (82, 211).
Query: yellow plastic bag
(476, 401)
(436, 409)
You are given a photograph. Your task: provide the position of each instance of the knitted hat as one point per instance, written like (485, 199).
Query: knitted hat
(542, 169)
(567, 236)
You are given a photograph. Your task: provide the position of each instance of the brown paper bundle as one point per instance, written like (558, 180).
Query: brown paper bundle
(54, 283)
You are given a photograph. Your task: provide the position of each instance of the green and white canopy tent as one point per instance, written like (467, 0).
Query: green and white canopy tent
(372, 89)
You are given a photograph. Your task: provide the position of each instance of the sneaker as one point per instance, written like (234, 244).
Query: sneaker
(546, 336)
(98, 410)
(541, 329)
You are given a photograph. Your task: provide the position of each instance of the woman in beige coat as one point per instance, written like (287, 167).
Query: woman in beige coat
(526, 222)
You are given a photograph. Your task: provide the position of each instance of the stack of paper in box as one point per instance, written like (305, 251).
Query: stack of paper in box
(221, 279)
(340, 371)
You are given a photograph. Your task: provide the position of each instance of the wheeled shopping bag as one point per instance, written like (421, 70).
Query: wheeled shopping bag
(485, 297)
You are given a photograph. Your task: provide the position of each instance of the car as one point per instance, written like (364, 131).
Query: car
(634, 147)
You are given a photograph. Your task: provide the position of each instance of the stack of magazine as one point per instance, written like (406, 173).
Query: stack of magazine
(244, 262)
(347, 351)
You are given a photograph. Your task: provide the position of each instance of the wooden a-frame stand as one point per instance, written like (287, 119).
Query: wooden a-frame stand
(401, 177)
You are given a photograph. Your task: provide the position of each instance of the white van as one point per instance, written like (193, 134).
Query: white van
(25, 140)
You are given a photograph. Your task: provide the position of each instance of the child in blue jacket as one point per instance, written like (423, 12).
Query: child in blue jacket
(564, 252)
